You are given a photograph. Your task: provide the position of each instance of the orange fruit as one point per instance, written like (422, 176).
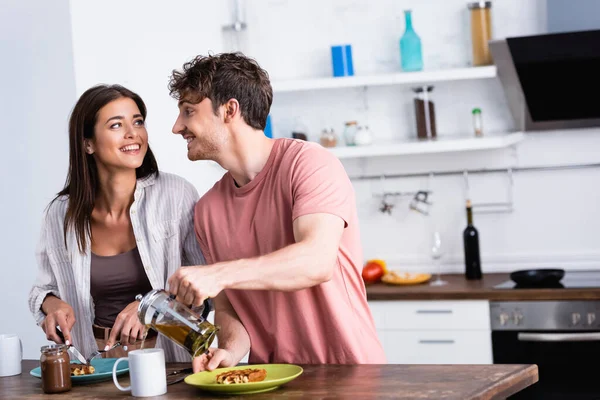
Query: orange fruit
(379, 262)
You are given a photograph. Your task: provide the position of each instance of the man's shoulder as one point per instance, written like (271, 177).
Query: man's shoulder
(215, 193)
(294, 148)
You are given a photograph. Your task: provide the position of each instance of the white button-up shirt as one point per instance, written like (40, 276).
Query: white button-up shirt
(163, 225)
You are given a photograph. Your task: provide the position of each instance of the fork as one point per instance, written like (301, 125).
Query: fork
(99, 352)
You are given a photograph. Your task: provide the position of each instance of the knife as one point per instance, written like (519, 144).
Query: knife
(173, 377)
(72, 349)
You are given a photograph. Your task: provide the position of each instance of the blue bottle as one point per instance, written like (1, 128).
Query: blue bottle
(410, 47)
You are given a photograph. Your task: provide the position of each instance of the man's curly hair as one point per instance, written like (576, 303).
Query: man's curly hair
(222, 77)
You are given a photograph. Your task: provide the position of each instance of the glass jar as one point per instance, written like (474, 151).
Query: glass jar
(481, 31)
(477, 122)
(350, 132)
(186, 327)
(424, 113)
(55, 368)
(328, 138)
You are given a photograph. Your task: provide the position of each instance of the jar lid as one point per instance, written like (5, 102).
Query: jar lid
(421, 89)
(54, 348)
(476, 111)
(479, 4)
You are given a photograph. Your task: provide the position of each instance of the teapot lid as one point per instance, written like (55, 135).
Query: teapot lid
(147, 306)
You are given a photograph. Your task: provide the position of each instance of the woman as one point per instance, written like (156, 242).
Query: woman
(117, 229)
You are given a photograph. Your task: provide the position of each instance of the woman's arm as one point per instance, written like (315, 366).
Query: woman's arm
(45, 304)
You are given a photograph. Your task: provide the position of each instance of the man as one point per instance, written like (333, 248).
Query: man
(279, 231)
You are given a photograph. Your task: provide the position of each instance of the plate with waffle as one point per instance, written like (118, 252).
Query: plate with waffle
(245, 379)
(99, 370)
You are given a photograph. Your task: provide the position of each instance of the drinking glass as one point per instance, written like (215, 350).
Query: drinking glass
(436, 255)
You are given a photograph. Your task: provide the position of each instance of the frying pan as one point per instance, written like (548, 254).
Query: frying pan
(537, 277)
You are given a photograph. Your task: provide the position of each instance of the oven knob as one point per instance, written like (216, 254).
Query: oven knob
(504, 318)
(517, 318)
(591, 317)
(575, 318)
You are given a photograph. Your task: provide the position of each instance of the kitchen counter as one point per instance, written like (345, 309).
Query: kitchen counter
(460, 382)
(459, 288)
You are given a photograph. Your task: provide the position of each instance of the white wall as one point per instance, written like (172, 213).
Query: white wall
(138, 43)
(38, 91)
(140, 51)
(291, 39)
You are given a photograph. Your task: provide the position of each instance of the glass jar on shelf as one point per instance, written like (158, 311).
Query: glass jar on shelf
(424, 113)
(350, 132)
(328, 138)
(481, 32)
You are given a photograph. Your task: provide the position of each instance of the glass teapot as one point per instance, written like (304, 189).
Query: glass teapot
(188, 328)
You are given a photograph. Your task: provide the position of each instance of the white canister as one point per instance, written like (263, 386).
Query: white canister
(11, 354)
(363, 136)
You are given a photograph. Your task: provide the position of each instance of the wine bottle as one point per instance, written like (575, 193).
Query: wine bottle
(471, 244)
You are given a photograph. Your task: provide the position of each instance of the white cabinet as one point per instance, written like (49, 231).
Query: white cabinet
(434, 332)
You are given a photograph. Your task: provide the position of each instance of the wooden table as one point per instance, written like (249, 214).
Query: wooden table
(460, 382)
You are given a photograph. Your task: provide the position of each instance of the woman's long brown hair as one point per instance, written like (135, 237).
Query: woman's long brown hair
(81, 184)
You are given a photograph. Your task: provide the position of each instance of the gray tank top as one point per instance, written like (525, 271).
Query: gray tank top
(114, 282)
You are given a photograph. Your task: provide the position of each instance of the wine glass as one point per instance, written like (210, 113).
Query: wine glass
(436, 255)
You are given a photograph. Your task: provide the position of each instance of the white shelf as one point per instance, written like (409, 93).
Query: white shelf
(399, 78)
(441, 145)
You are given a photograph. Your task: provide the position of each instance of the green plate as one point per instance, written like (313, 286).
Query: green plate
(103, 371)
(277, 375)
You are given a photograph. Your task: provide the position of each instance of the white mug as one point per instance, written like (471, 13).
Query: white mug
(147, 373)
(11, 354)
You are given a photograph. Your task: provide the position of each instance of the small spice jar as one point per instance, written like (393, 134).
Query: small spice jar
(328, 138)
(477, 122)
(56, 369)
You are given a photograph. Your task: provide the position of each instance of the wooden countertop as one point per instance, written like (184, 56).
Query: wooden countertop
(392, 381)
(459, 288)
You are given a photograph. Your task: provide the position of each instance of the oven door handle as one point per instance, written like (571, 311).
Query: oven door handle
(559, 337)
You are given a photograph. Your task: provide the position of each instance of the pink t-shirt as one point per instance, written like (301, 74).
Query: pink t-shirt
(330, 323)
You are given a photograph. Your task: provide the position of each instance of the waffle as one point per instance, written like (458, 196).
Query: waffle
(241, 376)
(79, 369)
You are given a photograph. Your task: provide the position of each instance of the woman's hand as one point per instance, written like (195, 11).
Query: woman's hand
(215, 358)
(58, 314)
(127, 327)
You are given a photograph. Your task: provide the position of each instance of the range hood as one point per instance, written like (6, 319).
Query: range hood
(551, 81)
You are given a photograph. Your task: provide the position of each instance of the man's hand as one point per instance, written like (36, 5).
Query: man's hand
(127, 326)
(58, 314)
(193, 285)
(216, 358)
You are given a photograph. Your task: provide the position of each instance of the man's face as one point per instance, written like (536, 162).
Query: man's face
(204, 131)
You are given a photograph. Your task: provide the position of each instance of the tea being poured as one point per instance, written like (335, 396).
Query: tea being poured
(184, 326)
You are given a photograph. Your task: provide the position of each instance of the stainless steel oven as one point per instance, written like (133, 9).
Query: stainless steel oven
(561, 337)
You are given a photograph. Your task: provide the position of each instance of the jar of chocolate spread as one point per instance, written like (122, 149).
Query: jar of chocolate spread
(56, 369)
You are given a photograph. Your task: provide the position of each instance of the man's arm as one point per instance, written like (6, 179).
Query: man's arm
(232, 335)
(234, 341)
(306, 263)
